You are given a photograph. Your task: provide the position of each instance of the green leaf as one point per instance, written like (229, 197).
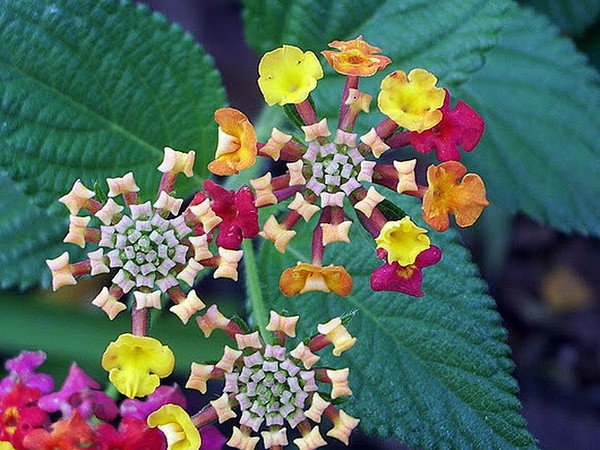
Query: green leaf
(572, 16)
(95, 89)
(433, 371)
(541, 103)
(449, 38)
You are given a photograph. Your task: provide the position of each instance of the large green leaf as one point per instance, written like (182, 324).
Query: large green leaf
(448, 37)
(540, 153)
(433, 371)
(94, 89)
(572, 16)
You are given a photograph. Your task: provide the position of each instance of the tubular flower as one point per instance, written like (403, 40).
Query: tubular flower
(177, 427)
(412, 101)
(465, 199)
(355, 57)
(269, 389)
(237, 143)
(460, 126)
(152, 247)
(306, 278)
(22, 368)
(137, 363)
(406, 279)
(288, 75)
(19, 413)
(329, 169)
(66, 434)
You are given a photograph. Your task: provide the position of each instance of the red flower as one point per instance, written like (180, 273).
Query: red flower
(405, 279)
(72, 434)
(133, 434)
(237, 211)
(459, 126)
(19, 413)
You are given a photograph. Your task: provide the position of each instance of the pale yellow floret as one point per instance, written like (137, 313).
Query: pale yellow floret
(188, 274)
(123, 185)
(336, 233)
(339, 336)
(368, 204)
(302, 207)
(223, 408)
(77, 198)
(317, 408)
(77, 228)
(251, 340)
(61, 271)
(264, 190)
(287, 325)
(303, 353)
(358, 100)
(406, 175)
(147, 299)
(344, 138)
(228, 263)
(201, 250)
(372, 139)
(275, 143)
(316, 130)
(108, 211)
(206, 215)
(188, 307)
(97, 263)
(280, 235)
(296, 176)
(274, 438)
(310, 440)
(227, 361)
(339, 382)
(242, 440)
(168, 203)
(199, 375)
(335, 199)
(176, 162)
(108, 303)
(343, 426)
(212, 320)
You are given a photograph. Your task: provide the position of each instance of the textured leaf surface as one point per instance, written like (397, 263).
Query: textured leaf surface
(434, 371)
(540, 153)
(94, 89)
(448, 37)
(572, 16)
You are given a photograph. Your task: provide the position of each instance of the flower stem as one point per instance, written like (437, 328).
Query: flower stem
(256, 302)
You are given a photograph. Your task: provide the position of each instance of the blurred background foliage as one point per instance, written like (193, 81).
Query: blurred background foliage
(546, 283)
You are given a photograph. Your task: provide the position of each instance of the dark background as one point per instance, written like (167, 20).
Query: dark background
(546, 283)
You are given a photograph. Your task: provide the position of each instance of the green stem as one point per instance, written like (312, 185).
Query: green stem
(256, 303)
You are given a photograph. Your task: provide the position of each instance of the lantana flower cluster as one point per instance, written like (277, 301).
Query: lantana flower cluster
(332, 167)
(35, 416)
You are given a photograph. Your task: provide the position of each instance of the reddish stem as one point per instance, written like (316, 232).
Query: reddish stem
(307, 113)
(386, 128)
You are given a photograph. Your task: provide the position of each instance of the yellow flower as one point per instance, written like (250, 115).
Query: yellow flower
(5, 445)
(355, 57)
(403, 241)
(137, 363)
(465, 199)
(236, 149)
(177, 427)
(288, 75)
(412, 102)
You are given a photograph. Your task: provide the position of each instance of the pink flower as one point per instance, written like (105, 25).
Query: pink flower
(80, 393)
(133, 434)
(22, 368)
(405, 279)
(237, 211)
(163, 395)
(460, 126)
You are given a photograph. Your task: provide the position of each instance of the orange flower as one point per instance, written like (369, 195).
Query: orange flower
(306, 277)
(236, 149)
(465, 199)
(355, 57)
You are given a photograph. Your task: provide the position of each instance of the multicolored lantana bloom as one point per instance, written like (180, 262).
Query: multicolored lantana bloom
(331, 166)
(274, 393)
(155, 248)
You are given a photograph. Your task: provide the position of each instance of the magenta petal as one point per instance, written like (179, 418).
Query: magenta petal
(247, 216)
(22, 368)
(460, 126)
(428, 257)
(230, 236)
(212, 438)
(163, 395)
(386, 278)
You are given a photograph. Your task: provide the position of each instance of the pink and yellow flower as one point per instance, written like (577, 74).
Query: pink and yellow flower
(355, 57)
